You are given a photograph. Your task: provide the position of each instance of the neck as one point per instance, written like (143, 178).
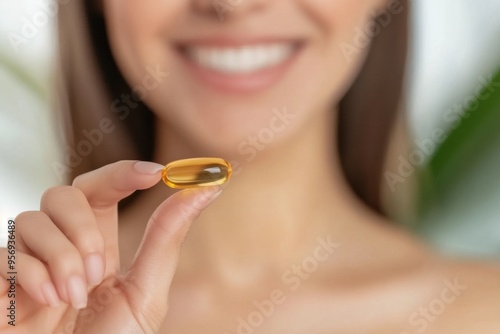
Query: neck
(275, 207)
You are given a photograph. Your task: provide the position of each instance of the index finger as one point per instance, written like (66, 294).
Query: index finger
(106, 186)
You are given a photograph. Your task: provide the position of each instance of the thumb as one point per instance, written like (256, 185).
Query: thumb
(156, 260)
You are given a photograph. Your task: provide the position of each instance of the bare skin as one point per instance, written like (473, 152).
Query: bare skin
(378, 279)
(286, 231)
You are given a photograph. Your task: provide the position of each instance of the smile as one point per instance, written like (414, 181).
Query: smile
(242, 60)
(236, 66)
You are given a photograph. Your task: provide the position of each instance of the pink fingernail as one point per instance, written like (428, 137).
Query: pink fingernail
(50, 294)
(149, 168)
(77, 291)
(94, 268)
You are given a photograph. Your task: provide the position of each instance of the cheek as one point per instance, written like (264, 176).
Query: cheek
(340, 22)
(136, 31)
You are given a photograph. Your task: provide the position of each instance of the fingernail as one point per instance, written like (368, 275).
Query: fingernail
(50, 294)
(150, 168)
(77, 292)
(94, 268)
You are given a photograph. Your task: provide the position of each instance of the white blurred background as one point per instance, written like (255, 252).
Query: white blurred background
(455, 42)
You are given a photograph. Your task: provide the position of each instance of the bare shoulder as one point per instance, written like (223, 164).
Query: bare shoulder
(469, 298)
(482, 280)
(476, 271)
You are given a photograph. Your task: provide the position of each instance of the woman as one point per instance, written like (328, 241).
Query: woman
(295, 242)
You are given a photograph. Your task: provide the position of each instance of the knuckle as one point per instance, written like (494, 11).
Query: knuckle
(27, 218)
(53, 192)
(79, 180)
(58, 192)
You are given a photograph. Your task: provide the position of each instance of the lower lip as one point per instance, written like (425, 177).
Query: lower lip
(241, 83)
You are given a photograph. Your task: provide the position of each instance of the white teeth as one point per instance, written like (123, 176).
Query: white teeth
(241, 60)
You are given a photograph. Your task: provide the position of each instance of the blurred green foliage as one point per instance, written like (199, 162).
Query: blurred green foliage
(465, 146)
(460, 186)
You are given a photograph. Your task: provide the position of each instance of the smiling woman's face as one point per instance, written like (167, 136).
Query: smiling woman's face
(231, 64)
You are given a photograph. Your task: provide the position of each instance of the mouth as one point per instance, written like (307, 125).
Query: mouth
(242, 60)
(236, 66)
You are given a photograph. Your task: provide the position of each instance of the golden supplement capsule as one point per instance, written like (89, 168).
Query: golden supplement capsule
(196, 172)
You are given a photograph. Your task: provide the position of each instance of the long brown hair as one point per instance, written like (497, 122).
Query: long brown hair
(90, 82)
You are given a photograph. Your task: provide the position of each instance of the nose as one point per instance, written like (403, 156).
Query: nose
(227, 9)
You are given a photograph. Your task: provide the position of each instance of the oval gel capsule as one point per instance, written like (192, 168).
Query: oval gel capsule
(196, 172)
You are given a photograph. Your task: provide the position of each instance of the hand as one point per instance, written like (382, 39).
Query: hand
(67, 256)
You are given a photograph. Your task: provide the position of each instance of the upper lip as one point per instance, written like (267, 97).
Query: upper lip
(234, 41)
